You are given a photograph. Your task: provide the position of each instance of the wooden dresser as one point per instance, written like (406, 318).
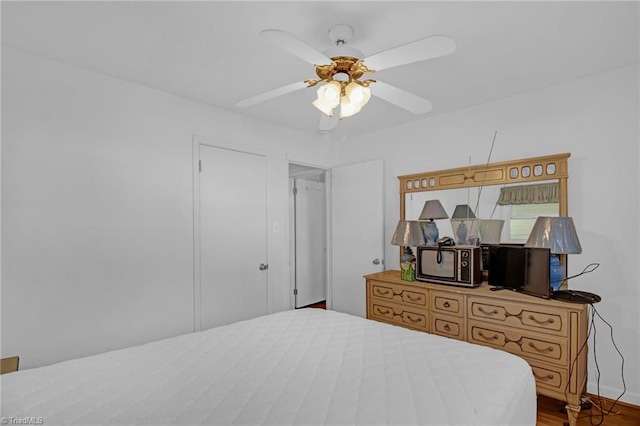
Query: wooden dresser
(550, 335)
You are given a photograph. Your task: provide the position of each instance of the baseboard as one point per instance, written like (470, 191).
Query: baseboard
(632, 398)
(625, 407)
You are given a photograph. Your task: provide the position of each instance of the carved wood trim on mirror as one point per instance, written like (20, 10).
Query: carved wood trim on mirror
(524, 170)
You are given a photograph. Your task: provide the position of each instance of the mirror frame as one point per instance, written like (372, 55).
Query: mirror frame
(551, 167)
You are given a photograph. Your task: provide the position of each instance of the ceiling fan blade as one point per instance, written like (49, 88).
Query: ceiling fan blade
(401, 98)
(415, 51)
(294, 45)
(327, 123)
(271, 94)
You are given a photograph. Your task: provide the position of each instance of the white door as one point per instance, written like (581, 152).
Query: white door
(232, 237)
(310, 241)
(357, 232)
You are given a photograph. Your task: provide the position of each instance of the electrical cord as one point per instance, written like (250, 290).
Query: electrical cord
(599, 407)
(624, 385)
(592, 326)
(587, 269)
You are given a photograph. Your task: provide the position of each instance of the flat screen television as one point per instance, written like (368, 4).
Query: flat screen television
(518, 268)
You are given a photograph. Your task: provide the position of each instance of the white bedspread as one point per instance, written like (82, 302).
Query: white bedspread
(304, 367)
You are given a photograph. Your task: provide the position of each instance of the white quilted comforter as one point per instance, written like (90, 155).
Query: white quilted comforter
(302, 367)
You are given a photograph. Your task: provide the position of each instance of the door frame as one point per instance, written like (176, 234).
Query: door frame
(327, 205)
(198, 141)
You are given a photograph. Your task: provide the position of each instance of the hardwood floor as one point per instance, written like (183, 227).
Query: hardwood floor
(551, 413)
(319, 305)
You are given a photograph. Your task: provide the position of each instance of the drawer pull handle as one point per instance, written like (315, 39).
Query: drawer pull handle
(413, 320)
(547, 321)
(414, 298)
(548, 349)
(494, 337)
(547, 377)
(382, 311)
(481, 309)
(447, 305)
(446, 327)
(382, 292)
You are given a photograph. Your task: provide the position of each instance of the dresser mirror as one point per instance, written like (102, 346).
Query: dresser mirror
(480, 187)
(514, 221)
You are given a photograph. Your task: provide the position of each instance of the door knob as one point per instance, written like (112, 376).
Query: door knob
(263, 267)
(376, 261)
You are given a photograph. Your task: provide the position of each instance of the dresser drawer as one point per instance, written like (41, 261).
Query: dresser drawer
(447, 303)
(529, 317)
(550, 377)
(530, 346)
(447, 326)
(394, 313)
(398, 293)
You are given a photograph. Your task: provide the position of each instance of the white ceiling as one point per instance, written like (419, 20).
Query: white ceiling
(211, 51)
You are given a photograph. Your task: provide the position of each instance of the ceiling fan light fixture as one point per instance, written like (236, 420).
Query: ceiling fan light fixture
(324, 107)
(357, 93)
(328, 97)
(344, 70)
(330, 92)
(348, 108)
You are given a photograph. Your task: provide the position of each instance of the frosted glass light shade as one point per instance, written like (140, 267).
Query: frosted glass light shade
(330, 93)
(328, 97)
(324, 107)
(348, 108)
(358, 94)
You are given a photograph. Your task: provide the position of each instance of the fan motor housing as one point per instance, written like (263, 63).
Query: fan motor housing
(349, 65)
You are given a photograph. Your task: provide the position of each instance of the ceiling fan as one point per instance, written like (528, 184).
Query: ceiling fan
(341, 69)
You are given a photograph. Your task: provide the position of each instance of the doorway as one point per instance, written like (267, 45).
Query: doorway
(308, 234)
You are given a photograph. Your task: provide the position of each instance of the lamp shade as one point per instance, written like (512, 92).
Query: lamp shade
(463, 211)
(558, 234)
(433, 210)
(408, 234)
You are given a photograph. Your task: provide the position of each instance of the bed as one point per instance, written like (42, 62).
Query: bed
(307, 367)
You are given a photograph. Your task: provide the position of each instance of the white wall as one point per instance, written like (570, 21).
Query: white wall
(596, 120)
(97, 208)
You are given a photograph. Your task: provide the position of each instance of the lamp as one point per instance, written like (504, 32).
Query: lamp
(407, 234)
(460, 229)
(342, 86)
(432, 210)
(558, 234)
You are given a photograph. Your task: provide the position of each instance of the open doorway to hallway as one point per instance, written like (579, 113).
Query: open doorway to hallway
(308, 234)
